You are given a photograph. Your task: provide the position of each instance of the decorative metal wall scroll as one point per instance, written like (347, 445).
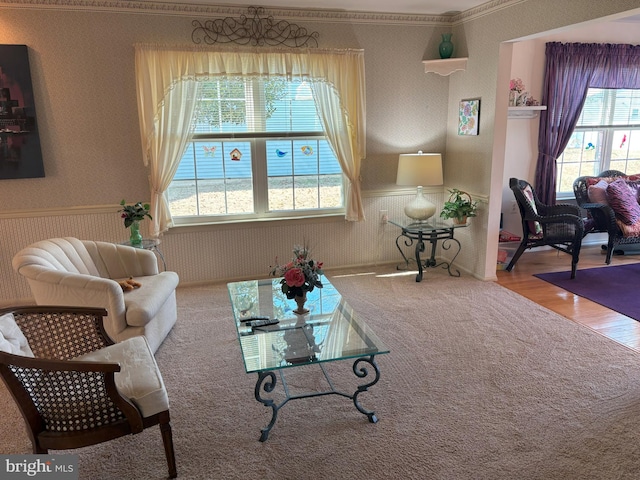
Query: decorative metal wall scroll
(256, 30)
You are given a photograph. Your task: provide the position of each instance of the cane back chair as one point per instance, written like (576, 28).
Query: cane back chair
(69, 392)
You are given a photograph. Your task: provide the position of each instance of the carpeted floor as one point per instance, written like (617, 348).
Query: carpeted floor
(615, 287)
(480, 383)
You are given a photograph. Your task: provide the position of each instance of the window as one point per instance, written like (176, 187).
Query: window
(169, 85)
(258, 151)
(606, 137)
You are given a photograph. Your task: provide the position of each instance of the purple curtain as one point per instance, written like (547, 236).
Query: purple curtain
(570, 70)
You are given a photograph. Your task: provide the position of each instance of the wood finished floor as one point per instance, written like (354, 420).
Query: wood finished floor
(611, 324)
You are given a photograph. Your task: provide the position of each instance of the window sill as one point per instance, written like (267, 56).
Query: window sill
(182, 227)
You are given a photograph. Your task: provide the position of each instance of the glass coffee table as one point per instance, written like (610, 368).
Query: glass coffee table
(331, 331)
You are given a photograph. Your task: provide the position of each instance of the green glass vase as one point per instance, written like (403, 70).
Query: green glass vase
(446, 47)
(135, 237)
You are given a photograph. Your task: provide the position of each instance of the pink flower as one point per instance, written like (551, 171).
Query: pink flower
(516, 84)
(294, 277)
(300, 275)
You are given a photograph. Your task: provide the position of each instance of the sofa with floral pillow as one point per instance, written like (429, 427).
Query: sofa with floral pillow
(611, 202)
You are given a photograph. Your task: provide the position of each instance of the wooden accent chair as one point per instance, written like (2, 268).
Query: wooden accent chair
(62, 370)
(558, 226)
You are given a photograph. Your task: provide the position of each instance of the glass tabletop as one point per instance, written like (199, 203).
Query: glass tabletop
(147, 243)
(330, 331)
(430, 225)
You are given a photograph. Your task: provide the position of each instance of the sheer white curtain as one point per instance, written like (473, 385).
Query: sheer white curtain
(167, 81)
(165, 127)
(343, 138)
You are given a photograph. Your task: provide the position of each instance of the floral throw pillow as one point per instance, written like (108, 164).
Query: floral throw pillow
(534, 226)
(624, 202)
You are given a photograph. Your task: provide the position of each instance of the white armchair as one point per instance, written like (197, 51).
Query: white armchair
(82, 273)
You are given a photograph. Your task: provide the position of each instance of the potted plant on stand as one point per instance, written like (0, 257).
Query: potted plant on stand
(459, 207)
(133, 215)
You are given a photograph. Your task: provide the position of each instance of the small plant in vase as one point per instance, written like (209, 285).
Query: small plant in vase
(132, 215)
(459, 207)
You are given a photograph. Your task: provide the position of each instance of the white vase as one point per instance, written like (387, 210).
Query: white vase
(522, 99)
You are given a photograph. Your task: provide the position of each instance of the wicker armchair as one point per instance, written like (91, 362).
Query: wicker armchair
(69, 392)
(558, 226)
(601, 217)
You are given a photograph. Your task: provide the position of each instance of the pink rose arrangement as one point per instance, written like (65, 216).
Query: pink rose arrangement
(516, 85)
(300, 275)
(518, 96)
(294, 277)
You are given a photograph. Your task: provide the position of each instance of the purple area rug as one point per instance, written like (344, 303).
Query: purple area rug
(617, 288)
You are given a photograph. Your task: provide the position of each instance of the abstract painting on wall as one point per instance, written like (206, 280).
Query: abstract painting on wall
(469, 117)
(20, 152)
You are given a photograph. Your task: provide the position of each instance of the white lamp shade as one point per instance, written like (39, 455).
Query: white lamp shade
(420, 169)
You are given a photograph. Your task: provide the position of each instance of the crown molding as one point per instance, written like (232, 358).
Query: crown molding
(482, 10)
(310, 15)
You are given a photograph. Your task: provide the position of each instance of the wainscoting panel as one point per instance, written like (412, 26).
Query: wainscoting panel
(226, 252)
(18, 232)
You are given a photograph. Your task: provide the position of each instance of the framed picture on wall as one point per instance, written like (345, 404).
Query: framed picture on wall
(20, 152)
(469, 117)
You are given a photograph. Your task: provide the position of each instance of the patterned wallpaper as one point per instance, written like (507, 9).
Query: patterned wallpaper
(82, 63)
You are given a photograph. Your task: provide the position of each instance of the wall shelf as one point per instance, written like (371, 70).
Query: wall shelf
(526, 112)
(445, 66)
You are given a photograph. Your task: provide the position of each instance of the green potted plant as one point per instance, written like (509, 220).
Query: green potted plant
(459, 207)
(133, 215)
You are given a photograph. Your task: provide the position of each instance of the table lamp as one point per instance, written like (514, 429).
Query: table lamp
(421, 169)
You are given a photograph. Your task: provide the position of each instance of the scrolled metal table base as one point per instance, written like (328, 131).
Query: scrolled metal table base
(267, 382)
(447, 239)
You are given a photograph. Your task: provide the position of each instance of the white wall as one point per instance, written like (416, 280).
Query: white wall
(521, 145)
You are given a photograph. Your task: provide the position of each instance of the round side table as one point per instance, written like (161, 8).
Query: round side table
(150, 244)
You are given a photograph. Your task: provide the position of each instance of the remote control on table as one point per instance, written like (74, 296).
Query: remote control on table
(257, 317)
(262, 323)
